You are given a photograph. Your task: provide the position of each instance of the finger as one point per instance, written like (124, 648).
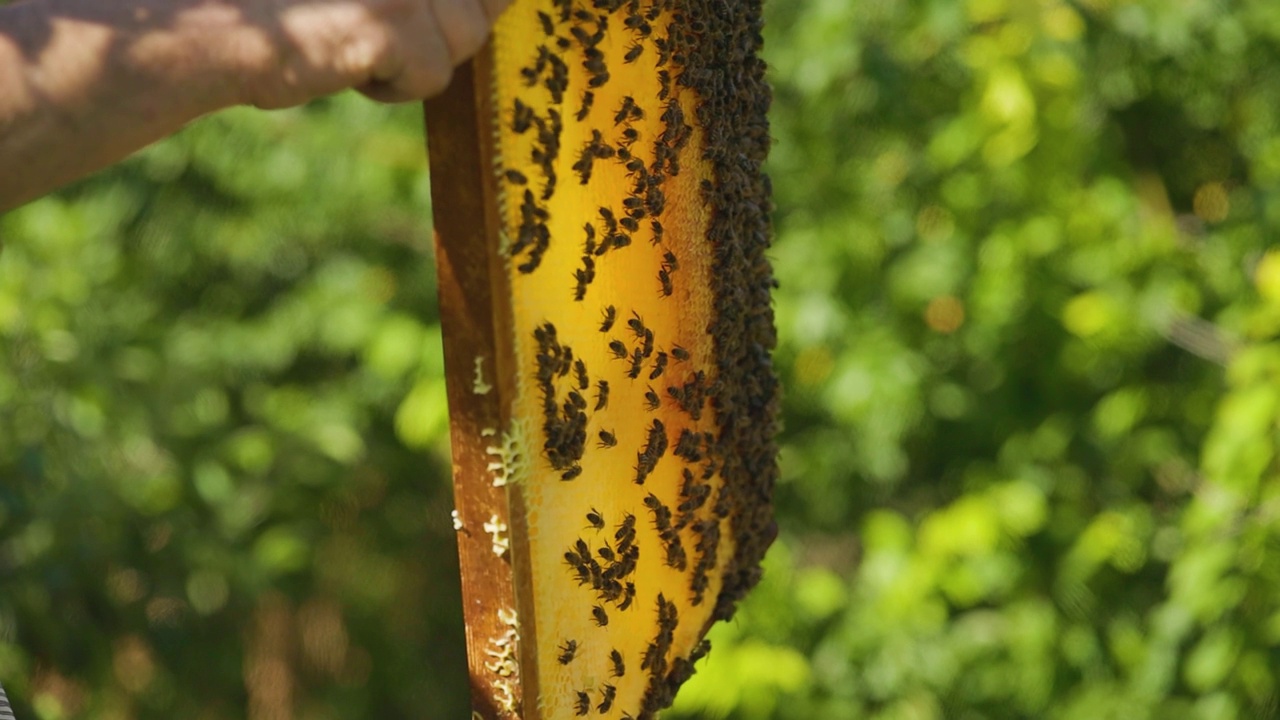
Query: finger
(494, 8)
(385, 92)
(417, 65)
(464, 24)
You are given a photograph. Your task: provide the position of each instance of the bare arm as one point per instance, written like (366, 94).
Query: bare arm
(83, 83)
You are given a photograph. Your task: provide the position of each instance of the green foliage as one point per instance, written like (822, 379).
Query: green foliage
(1030, 339)
(1018, 244)
(203, 354)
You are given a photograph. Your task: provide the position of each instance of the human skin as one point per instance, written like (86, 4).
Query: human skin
(83, 83)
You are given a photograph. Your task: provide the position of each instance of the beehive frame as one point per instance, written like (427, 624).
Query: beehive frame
(601, 223)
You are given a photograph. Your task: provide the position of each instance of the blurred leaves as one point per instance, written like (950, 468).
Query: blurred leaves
(1028, 318)
(203, 354)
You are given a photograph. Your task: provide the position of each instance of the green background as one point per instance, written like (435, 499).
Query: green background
(1029, 312)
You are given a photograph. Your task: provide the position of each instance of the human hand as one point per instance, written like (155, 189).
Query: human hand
(83, 83)
(291, 51)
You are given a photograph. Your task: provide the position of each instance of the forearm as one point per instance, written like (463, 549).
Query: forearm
(83, 83)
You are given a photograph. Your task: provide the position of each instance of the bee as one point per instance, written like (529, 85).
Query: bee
(664, 51)
(628, 111)
(630, 135)
(659, 366)
(602, 394)
(626, 528)
(661, 513)
(568, 651)
(606, 553)
(637, 325)
(664, 83)
(576, 400)
(580, 34)
(618, 349)
(637, 364)
(582, 166)
(516, 177)
(633, 53)
(633, 203)
(619, 669)
(610, 223)
(607, 439)
(652, 656)
(637, 22)
(548, 26)
(628, 596)
(651, 400)
(588, 98)
(668, 616)
(657, 437)
(610, 315)
(630, 223)
(657, 232)
(598, 79)
(596, 519)
(676, 557)
(522, 117)
(648, 342)
(587, 273)
(571, 474)
(583, 704)
(687, 447)
(664, 279)
(599, 616)
(680, 353)
(696, 501)
(606, 699)
(580, 369)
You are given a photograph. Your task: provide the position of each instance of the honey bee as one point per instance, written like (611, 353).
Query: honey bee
(659, 365)
(651, 400)
(568, 651)
(588, 98)
(602, 394)
(606, 700)
(599, 616)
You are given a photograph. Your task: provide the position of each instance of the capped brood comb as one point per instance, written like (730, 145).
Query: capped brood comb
(602, 222)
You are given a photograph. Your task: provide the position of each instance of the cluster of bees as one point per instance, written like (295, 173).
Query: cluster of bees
(607, 576)
(573, 26)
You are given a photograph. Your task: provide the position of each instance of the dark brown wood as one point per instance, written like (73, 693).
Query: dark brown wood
(475, 318)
